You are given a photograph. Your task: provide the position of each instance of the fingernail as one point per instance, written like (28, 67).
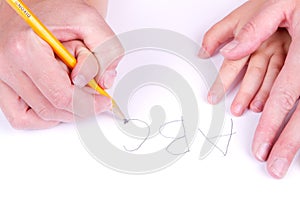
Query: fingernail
(215, 95)
(230, 46)
(263, 151)
(257, 106)
(238, 109)
(213, 98)
(80, 81)
(279, 167)
(109, 79)
(203, 53)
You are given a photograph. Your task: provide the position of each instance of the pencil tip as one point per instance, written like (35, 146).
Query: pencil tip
(118, 113)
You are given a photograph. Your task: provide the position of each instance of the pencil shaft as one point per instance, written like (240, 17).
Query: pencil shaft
(43, 32)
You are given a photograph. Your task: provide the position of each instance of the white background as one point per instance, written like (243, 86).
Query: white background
(53, 164)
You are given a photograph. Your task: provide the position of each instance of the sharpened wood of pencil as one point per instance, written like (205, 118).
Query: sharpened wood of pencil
(57, 47)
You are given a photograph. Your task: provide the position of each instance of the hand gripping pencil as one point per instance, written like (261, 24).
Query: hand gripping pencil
(57, 47)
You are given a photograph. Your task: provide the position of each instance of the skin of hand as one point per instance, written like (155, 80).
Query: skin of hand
(100, 5)
(272, 143)
(35, 86)
(263, 67)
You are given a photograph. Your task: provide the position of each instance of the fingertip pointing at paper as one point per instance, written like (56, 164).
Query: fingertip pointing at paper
(203, 53)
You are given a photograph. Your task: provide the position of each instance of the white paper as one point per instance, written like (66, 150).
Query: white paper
(54, 164)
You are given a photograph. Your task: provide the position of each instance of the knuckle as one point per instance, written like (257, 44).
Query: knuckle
(234, 67)
(60, 99)
(249, 28)
(286, 99)
(276, 68)
(291, 146)
(268, 130)
(17, 45)
(19, 122)
(258, 71)
(50, 114)
(43, 112)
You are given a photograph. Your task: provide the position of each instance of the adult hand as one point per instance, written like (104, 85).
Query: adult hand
(35, 86)
(268, 16)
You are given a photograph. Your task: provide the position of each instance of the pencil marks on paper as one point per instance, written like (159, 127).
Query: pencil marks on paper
(127, 121)
(179, 144)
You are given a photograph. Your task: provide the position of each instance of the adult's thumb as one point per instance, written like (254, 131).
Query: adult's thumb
(256, 31)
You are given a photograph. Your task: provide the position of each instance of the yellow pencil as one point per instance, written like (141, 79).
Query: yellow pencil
(57, 47)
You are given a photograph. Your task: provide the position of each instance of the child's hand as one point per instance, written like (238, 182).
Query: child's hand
(263, 67)
(35, 87)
